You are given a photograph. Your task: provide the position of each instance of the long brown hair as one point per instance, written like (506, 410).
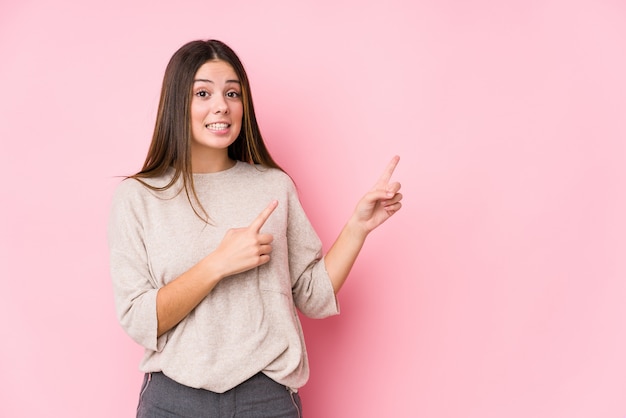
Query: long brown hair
(171, 141)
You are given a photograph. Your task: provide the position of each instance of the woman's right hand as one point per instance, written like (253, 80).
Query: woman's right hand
(243, 249)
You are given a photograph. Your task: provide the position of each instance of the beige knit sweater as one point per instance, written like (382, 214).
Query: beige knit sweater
(248, 323)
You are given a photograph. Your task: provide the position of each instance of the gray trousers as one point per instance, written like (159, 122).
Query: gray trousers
(257, 397)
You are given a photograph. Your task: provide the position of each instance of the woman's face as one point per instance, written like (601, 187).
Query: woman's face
(216, 109)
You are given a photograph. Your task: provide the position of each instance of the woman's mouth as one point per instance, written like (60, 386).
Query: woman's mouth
(219, 126)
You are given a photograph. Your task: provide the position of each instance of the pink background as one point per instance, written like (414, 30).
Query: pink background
(498, 291)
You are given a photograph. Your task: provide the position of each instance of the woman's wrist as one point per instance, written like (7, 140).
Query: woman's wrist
(356, 229)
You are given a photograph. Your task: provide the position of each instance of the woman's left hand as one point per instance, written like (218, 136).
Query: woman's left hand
(380, 203)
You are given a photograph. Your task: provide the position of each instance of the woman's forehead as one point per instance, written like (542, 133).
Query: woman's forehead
(216, 69)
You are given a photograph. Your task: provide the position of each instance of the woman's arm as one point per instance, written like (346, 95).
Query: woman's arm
(241, 249)
(378, 205)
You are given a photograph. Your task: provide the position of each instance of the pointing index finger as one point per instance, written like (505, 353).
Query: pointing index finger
(260, 220)
(384, 179)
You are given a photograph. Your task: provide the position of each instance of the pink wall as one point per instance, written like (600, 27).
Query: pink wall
(498, 291)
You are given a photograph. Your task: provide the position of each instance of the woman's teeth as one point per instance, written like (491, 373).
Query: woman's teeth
(217, 126)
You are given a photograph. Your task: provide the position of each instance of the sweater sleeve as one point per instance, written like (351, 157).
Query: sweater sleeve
(134, 288)
(312, 288)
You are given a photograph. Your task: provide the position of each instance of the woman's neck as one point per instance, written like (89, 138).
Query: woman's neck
(210, 163)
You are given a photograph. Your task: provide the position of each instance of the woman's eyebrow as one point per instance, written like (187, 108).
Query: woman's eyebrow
(211, 81)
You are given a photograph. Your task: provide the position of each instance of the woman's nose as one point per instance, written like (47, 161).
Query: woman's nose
(220, 105)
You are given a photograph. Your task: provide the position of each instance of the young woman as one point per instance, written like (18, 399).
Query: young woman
(212, 254)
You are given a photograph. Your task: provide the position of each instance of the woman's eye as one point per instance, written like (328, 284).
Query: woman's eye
(233, 94)
(202, 93)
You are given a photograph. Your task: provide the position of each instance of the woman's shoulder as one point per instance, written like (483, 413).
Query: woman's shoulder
(134, 186)
(268, 174)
